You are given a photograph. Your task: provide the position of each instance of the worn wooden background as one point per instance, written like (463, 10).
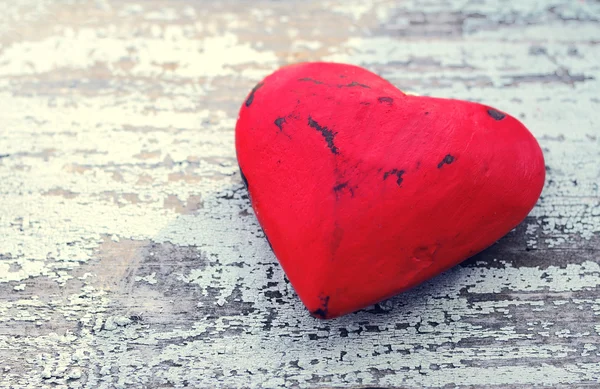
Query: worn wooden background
(129, 254)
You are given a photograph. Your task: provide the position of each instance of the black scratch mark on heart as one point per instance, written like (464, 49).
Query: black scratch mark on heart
(344, 186)
(341, 186)
(308, 79)
(354, 84)
(244, 179)
(279, 123)
(327, 134)
(495, 114)
(350, 85)
(448, 159)
(251, 97)
(268, 241)
(323, 311)
(365, 103)
(387, 100)
(397, 173)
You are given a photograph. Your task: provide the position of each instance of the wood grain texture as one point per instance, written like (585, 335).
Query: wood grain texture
(130, 256)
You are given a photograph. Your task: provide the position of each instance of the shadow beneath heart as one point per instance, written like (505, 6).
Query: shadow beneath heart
(207, 294)
(258, 280)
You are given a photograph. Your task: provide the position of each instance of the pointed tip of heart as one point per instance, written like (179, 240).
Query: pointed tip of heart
(319, 314)
(322, 312)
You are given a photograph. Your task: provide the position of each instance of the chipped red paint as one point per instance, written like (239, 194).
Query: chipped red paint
(365, 192)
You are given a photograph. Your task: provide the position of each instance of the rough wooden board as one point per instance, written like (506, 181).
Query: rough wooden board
(130, 256)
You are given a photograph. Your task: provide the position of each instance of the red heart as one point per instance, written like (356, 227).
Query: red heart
(364, 191)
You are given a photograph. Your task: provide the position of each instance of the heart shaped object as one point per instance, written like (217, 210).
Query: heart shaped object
(364, 191)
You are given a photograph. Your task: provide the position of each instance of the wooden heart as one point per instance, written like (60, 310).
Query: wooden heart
(364, 191)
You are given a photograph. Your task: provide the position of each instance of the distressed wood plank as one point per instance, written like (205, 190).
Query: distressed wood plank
(130, 256)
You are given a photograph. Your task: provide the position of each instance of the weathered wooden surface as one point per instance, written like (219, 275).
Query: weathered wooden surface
(130, 256)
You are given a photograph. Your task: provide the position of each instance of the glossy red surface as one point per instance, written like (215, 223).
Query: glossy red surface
(365, 192)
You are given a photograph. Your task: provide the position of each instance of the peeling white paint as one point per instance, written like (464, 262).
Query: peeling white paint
(210, 57)
(149, 279)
